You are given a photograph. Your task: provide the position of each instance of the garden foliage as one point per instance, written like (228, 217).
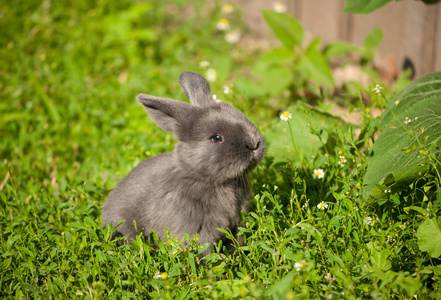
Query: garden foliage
(410, 143)
(365, 7)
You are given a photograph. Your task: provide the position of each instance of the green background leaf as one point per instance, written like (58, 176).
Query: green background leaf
(316, 68)
(422, 87)
(363, 6)
(287, 29)
(390, 163)
(429, 237)
(279, 137)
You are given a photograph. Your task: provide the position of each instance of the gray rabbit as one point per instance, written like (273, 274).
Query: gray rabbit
(200, 186)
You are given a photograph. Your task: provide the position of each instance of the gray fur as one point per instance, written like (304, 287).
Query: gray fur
(201, 185)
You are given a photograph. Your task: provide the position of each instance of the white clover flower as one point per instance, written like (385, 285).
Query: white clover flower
(227, 8)
(215, 98)
(279, 7)
(233, 36)
(300, 265)
(223, 24)
(211, 75)
(407, 120)
(377, 89)
(322, 205)
(342, 160)
(318, 173)
(228, 90)
(368, 221)
(285, 116)
(203, 64)
(160, 275)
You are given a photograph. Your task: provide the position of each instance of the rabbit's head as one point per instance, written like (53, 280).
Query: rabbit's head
(218, 142)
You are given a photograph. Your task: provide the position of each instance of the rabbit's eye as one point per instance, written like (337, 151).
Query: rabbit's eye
(217, 138)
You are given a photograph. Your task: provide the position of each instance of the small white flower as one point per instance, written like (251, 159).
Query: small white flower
(285, 116)
(329, 277)
(227, 8)
(368, 221)
(318, 173)
(279, 7)
(203, 64)
(322, 205)
(377, 89)
(305, 205)
(223, 24)
(211, 75)
(342, 160)
(160, 275)
(300, 265)
(407, 120)
(215, 98)
(227, 90)
(233, 36)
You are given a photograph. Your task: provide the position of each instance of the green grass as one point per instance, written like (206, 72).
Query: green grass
(71, 129)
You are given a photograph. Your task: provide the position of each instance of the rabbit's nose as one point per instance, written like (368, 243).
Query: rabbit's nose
(253, 147)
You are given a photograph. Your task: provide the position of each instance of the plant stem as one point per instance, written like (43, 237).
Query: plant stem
(292, 139)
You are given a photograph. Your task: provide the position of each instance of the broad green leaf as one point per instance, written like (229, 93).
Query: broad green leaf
(279, 136)
(396, 158)
(278, 55)
(30, 287)
(283, 286)
(287, 29)
(272, 80)
(379, 257)
(363, 6)
(339, 48)
(373, 39)
(317, 68)
(223, 65)
(399, 155)
(371, 43)
(421, 88)
(429, 237)
(249, 88)
(275, 80)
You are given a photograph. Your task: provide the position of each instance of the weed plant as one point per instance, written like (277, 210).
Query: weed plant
(70, 130)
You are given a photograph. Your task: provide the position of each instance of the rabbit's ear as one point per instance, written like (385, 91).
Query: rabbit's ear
(166, 113)
(196, 88)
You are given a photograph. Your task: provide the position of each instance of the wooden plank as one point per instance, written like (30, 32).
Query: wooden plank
(418, 36)
(388, 18)
(437, 43)
(295, 8)
(323, 18)
(428, 45)
(252, 10)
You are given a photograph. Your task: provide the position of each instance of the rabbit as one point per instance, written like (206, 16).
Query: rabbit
(201, 185)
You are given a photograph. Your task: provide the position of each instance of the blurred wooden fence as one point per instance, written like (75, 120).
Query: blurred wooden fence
(411, 29)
